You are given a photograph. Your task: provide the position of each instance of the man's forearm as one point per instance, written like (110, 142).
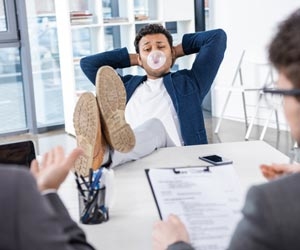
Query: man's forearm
(178, 51)
(133, 59)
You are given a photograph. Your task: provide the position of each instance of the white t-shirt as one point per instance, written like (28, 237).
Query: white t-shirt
(151, 100)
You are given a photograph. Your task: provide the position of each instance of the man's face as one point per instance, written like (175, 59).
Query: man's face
(150, 43)
(291, 107)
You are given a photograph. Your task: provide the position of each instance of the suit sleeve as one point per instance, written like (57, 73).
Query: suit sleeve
(180, 246)
(210, 47)
(43, 222)
(256, 229)
(117, 58)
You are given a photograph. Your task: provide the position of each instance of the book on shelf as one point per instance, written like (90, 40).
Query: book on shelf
(80, 13)
(140, 17)
(81, 17)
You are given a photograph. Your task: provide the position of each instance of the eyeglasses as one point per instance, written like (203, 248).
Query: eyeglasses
(274, 96)
(284, 92)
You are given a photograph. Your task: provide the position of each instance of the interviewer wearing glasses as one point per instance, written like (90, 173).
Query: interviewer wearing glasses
(271, 212)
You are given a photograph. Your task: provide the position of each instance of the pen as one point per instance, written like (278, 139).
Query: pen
(79, 188)
(90, 177)
(83, 180)
(97, 178)
(91, 190)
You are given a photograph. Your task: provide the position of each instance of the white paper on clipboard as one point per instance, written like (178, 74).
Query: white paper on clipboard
(208, 202)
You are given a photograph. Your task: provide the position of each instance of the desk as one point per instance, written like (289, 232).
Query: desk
(134, 210)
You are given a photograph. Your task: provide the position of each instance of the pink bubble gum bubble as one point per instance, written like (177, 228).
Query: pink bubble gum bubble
(156, 59)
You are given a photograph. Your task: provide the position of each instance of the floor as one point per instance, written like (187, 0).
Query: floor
(229, 131)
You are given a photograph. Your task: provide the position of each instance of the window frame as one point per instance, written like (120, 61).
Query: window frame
(11, 35)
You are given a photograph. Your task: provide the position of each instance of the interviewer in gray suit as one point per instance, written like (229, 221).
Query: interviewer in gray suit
(31, 221)
(271, 214)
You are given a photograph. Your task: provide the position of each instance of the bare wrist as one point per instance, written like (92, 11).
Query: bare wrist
(133, 59)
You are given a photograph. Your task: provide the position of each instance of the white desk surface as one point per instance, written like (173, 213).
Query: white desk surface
(134, 211)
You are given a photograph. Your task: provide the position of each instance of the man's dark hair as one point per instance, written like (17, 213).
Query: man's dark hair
(152, 29)
(284, 50)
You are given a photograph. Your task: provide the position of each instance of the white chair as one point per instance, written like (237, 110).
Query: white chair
(238, 73)
(273, 110)
(241, 87)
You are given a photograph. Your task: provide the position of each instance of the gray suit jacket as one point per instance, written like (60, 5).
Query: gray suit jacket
(271, 218)
(29, 220)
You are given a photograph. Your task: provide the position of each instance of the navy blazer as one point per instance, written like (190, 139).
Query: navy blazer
(187, 87)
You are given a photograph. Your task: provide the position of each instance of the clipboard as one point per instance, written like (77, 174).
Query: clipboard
(176, 171)
(207, 199)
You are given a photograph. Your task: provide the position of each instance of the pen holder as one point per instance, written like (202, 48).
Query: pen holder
(92, 209)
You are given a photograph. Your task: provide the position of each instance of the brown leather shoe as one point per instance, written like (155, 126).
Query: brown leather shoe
(111, 98)
(88, 134)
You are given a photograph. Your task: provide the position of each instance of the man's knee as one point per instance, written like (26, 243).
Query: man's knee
(152, 125)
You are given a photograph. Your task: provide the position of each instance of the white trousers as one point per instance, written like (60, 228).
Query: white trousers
(149, 136)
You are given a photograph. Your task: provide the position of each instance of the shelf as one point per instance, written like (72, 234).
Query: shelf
(116, 24)
(80, 26)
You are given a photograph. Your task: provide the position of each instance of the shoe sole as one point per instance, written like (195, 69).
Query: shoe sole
(86, 124)
(111, 98)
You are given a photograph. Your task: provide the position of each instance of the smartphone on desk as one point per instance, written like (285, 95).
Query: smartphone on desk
(215, 159)
(19, 153)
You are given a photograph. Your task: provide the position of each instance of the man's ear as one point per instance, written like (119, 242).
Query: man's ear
(173, 52)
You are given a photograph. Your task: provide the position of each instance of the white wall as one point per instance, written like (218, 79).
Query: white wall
(250, 25)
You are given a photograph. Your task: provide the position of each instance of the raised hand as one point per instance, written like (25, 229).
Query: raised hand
(54, 168)
(276, 170)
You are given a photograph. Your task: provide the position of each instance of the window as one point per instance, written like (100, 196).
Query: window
(8, 25)
(12, 107)
(33, 63)
(45, 64)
